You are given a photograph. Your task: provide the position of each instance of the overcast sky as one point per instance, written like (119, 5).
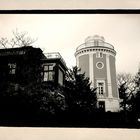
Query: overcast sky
(65, 32)
(55, 4)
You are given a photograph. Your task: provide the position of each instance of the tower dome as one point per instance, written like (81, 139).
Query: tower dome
(96, 58)
(94, 38)
(95, 41)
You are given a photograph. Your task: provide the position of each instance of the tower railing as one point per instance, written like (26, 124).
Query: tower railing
(95, 44)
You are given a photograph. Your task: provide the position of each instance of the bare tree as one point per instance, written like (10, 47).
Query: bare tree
(3, 42)
(128, 80)
(19, 39)
(126, 87)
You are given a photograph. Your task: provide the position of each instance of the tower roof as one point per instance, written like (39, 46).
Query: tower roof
(94, 38)
(95, 41)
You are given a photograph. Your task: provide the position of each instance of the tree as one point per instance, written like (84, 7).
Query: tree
(80, 97)
(136, 97)
(126, 89)
(46, 98)
(19, 39)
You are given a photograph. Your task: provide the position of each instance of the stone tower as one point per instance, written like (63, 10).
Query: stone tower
(97, 59)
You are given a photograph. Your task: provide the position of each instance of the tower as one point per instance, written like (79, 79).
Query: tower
(97, 59)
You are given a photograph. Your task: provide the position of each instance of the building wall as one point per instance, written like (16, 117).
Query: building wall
(29, 66)
(84, 64)
(100, 74)
(113, 77)
(26, 61)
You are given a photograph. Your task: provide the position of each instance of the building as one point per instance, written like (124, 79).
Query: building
(54, 68)
(27, 65)
(97, 59)
(20, 65)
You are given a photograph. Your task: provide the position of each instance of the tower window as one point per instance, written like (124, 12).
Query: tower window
(12, 68)
(99, 65)
(99, 55)
(101, 87)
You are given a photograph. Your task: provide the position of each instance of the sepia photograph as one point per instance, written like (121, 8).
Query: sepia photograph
(69, 74)
(70, 70)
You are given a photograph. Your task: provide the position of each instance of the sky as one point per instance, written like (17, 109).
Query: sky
(65, 32)
(72, 4)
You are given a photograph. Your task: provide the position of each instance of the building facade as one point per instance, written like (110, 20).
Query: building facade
(54, 68)
(20, 65)
(97, 59)
(25, 65)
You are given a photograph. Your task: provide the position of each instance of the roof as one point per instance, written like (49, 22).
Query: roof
(95, 41)
(54, 56)
(18, 51)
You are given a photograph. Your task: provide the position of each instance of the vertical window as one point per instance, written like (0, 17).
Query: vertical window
(99, 55)
(101, 87)
(48, 73)
(60, 77)
(12, 68)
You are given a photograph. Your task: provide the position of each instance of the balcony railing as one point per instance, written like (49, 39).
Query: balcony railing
(55, 55)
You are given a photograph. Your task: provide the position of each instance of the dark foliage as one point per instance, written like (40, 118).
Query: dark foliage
(46, 98)
(124, 96)
(80, 97)
(136, 98)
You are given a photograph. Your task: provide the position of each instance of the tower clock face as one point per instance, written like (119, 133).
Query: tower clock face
(99, 65)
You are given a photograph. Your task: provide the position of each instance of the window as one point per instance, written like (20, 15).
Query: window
(60, 77)
(99, 65)
(102, 105)
(48, 76)
(99, 54)
(48, 73)
(12, 68)
(101, 87)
